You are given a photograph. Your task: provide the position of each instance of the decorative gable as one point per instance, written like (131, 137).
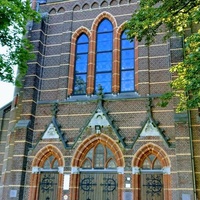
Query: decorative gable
(50, 133)
(53, 130)
(150, 129)
(98, 120)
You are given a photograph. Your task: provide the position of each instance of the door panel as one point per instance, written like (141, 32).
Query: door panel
(48, 186)
(152, 187)
(98, 186)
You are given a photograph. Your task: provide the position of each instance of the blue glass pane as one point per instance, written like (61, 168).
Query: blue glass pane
(126, 44)
(104, 79)
(127, 54)
(127, 81)
(123, 35)
(127, 75)
(105, 26)
(82, 48)
(104, 62)
(42, 1)
(104, 42)
(82, 39)
(127, 64)
(81, 63)
(80, 84)
(105, 37)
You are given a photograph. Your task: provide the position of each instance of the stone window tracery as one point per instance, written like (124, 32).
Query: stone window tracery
(99, 157)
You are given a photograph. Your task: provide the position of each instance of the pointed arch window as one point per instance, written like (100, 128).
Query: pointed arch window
(151, 162)
(127, 64)
(81, 63)
(104, 47)
(99, 157)
(51, 163)
(103, 57)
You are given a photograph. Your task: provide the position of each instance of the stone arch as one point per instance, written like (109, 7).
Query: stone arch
(75, 35)
(76, 8)
(147, 149)
(52, 11)
(61, 10)
(114, 3)
(121, 28)
(137, 163)
(82, 151)
(44, 153)
(95, 5)
(38, 162)
(100, 17)
(123, 2)
(104, 4)
(90, 142)
(78, 32)
(85, 6)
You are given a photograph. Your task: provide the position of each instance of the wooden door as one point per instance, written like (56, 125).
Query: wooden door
(48, 186)
(98, 186)
(152, 187)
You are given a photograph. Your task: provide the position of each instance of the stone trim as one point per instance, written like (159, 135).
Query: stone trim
(135, 170)
(147, 149)
(120, 170)
(75, 170)
(44, 153)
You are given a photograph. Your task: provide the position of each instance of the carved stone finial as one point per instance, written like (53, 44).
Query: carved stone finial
(100, 91)
(55, 109)
(149, 107)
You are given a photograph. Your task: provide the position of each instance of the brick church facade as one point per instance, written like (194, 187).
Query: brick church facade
(86, 125)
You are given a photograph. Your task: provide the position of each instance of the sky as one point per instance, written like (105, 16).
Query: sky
(6, 93)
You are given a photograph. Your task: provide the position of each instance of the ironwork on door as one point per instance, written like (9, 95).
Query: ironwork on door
(152, 187)
(100, 186)
(48, 186)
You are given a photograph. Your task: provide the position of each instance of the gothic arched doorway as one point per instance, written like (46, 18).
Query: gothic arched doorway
(151, 173)
(47, 174)
(97, 172)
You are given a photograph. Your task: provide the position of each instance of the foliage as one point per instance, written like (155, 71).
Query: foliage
(14, 16)
(174, 16)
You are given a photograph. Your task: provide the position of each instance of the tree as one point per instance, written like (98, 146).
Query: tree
(175, 16)
(14, 16)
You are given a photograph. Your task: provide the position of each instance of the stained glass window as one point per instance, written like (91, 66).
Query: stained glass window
(87, 164)
(111, 164)
(103, 66)
(127, 64)
(151, 162)
(51, 163)
(104, 47)
(81, 63)
(99, 157)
